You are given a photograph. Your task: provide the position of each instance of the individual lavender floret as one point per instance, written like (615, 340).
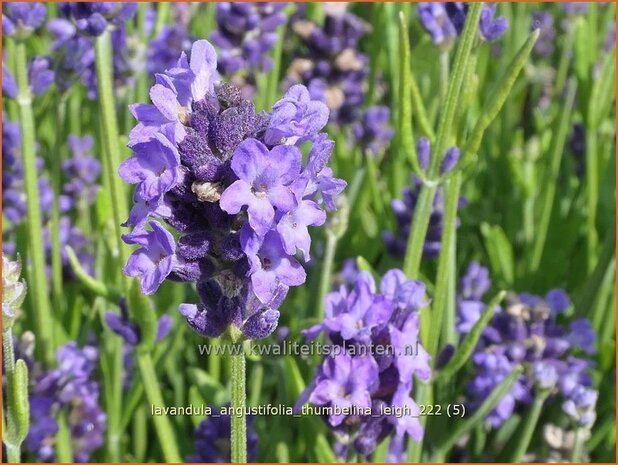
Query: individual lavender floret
(40, 77)
(70, 388)
(245, 33)
(373, 132)
(21, 19)
(444, 21)
(82, 170)
(232, 184)
(403, 209)
(376, 333)
(525, 332)
(13, 291)
(212, 439)
(92, 19)
(331, 66)
(544, 22)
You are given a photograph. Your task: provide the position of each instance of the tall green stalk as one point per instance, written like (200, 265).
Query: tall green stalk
(422, 212)
(38, 280)
(238, 404)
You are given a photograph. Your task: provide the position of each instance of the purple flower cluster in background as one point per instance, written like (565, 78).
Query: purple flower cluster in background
(444, 21)
(78, 192)
(232, 184)
(164, 50)
(359, 316)
(245, 33)
(212, 439)
(70, 389)
(40, 77)
(373, 132)
(544, 22)
(20, 19)
(94, 18)
(577, 144)
(330, 64)
(403, 209)
(525, 332)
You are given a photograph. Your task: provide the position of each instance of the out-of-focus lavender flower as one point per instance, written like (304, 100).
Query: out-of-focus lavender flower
(69, 388)
(40, 77)
(20, 19)
(92, 19)
(610, 41)
(525, 332)
(580, 406)
(13, 291)
(574, 8)
(82, 171)
(577, 144)
(444, 21)
(373, 132)
(404, 208)
(165, 49)
(544, 22)
(358, 318)
(212, 439)
(331, 66)
(245, 33)
(231, 182)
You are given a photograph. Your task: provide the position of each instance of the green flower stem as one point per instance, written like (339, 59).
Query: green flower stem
(38, 280)
(592, 196)
(423, 397)
(420, 221)
(441, 295)
(56, 258)
(578, 446)
(327, 271)
(238, 404)
(522, 441)
(163, 426)
(551, 177)
(103, 51)
(465, 425)
(64, 446)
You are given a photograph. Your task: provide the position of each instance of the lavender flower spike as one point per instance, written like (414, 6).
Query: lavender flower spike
(21, 19)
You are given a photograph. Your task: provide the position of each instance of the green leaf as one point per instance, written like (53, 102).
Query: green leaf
(603, 92)
(497, 97)
(470, 341)
(20, 407)
(500, 252)
(467, 424)
(93, 285)
(144, 315)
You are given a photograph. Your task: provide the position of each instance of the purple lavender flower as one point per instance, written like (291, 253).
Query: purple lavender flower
(69, 388)
(436, 22)
(524, 332)
(212, 439)
(581, 406)
(94, 18)
(165, 49)
(246, 33)
(330, 64)
(358, 374)
(21, 19)
(396, 243)
(83, 171)
(445, 21)
(544, 22)
(373, 132)
(231, 182)
(40, 77)
(577, 144)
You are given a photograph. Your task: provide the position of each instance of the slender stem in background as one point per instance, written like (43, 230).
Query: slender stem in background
(551, 178)
(441, 295)
(40, 293)
(273, 76)
(592, 195)
(103, 51)
(163, 426)
(327, 271)
(522, 440)
(56, 172)
(578, 445)
(420, 221)
(444, 73)
(64, 446)
(238, 404)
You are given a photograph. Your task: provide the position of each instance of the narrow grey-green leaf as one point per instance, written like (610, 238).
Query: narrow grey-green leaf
(486, 407)
(471, 340)
(20, 408)
(93, 285)
(603, 91)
